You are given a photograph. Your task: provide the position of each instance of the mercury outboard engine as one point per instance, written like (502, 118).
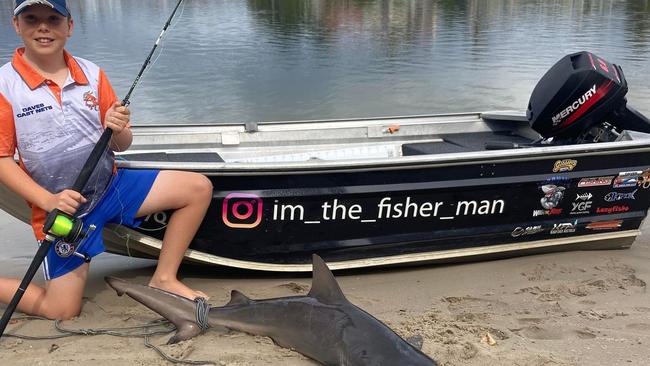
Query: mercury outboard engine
(581, 99)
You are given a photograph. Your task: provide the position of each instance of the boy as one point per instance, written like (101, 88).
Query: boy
(53, 108)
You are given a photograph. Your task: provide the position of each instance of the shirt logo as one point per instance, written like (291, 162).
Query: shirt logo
(91, 101)
(34, 109)
(63, 249)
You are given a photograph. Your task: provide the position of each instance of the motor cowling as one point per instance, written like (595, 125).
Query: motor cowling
(578, 92)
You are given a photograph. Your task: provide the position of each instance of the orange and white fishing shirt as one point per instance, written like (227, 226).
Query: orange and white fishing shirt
(54, 128)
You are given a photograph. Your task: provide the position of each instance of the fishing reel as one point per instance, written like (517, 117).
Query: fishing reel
(67, 231)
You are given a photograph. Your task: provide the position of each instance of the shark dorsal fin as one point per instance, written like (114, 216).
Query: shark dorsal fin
(324, 287)
(237, 298)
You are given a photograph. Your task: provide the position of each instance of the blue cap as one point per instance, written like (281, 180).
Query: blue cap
(61, 6)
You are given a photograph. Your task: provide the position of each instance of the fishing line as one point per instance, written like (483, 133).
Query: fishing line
(175, 360)
(121, 215)
(126, 101)
(146, 72)
(162, 45)
(159, 52)
(119, 200)
(115, 231)
(128, 249)
(144, 331)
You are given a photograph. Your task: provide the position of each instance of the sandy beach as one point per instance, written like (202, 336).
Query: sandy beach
(575, 308)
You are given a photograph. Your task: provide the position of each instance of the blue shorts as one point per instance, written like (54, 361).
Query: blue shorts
(120, 203)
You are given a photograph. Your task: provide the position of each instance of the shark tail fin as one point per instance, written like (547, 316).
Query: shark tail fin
(324, 287)
(237, 298)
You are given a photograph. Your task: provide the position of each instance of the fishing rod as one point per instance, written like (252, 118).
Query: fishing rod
(58, 224)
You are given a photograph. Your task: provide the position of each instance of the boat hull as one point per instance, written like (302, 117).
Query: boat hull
(393, 216)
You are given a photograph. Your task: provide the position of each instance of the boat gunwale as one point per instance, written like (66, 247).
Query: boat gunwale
(404, 162)
(314, 122)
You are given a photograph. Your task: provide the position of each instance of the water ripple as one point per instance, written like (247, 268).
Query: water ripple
(227, 61)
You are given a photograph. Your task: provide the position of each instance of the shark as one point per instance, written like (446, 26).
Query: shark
(322, 325)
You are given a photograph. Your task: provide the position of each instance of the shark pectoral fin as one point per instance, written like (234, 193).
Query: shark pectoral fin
(185, 332)
(237, 298)
(324, 287)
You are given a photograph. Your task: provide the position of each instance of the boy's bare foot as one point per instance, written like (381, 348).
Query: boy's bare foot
(177, 287)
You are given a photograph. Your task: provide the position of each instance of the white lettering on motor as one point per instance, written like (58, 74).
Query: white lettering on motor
(558, 118)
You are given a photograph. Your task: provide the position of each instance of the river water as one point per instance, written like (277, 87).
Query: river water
(257, 60)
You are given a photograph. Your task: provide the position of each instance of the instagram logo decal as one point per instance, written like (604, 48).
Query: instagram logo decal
(242, 210)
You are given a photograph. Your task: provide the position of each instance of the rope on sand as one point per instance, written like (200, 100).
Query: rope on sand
(138, 331)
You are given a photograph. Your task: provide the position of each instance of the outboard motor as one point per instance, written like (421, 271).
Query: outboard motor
(581, 99)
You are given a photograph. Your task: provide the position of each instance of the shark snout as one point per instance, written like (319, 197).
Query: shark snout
(120, 286)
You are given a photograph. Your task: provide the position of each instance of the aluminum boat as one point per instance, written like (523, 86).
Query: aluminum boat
(572, 172)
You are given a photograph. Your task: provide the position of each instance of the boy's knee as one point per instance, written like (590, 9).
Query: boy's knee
(63, 311)
(204, 186)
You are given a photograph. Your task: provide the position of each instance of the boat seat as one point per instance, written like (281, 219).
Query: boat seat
(189, 157)
(457, 143)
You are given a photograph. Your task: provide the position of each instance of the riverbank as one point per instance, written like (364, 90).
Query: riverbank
(575, 308)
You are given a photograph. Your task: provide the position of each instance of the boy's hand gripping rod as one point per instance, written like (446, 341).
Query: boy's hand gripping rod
(58, 224)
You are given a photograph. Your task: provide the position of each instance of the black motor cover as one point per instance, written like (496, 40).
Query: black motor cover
(579, 91)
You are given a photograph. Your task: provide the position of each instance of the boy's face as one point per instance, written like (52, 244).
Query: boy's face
(43, 30)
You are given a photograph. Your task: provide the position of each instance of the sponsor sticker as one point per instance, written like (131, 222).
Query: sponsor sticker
(580, 207)
(564, 228)
(626, 179)
(528, 230)
(605, 225)
(595, 181)
(613, 209)
(553, 189)
(564, 165)
(549, 212)
(644, 179)
(617, 196)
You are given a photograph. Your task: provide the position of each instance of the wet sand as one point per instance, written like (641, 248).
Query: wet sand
(575, 308)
